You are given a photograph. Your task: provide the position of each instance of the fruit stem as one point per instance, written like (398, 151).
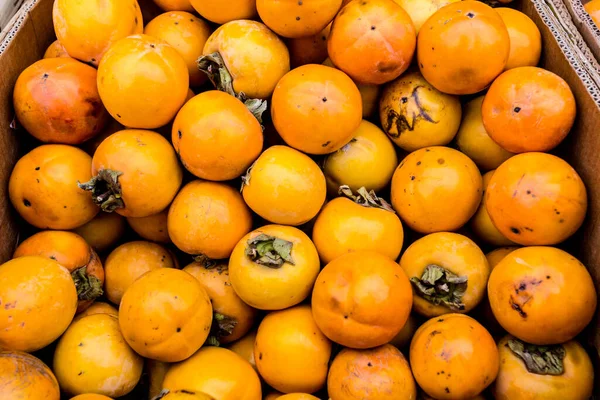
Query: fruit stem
(105, 189)
(541, 360)
(222, 325)
(206, 262)
(216, 70)
(365, 198)
(440, 286)
(88, 286)
(269, 251)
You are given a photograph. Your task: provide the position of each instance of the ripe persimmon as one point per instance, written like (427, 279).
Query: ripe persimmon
(103, 231)
(310, 49)
(175, 5)
(420, 10)
(23, 376)
(297, 19)
(220, 13)
(525, 38)
(152, 227)
(55, 50)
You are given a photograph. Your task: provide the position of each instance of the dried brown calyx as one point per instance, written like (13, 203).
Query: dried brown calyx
(441, 287)
(541, 360)
(105, 189)
(365, 198)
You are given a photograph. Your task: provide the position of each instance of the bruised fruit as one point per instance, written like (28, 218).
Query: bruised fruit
(88, 28)
(274, 267)
(415, 115)
(220, 13)
(316, 109)
(22, 376)
(284, 186)
(207, 207)
(136, 173)
(463, 47)
(103, 231)
(152, 227)
(542, 295)
(297, 19)
(43, 187)
(291, 353)
(57, 101)
(165, 315)
(525, 38)
(372, 41)
(216, 136)
(143, 81)
(93, 357)
(72, 252)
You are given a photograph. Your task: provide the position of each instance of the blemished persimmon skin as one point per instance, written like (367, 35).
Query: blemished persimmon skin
(310, 49)
(593, 9)
(528, 109)
(175, 5)
(87, 29)
(57, 101)
(255, 57)
(55, 50)
(381, 373)
(71, 251)
(515, 382)
(285, 186)
(152, 227)
(187, 34)
(43, 187)
(536, 199)
(463, 47)
(297, 19)
(151, 174)
(290, 352)
(525, 38)
(316, 108)
(208, 218)
(542, 295)
(22, 376)
(361, 299)
(216, 136)
(143, 81)
(373, 41)
(220, 13)
(453, 357)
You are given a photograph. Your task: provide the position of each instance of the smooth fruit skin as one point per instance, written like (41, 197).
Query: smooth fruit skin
(156, 375)
(593, 9)
(453, 357)
(152, 227)
(55, 50)
(208, 218)
(254, 56)
(414, 114)
(215, 280)
(420, 10)
(57, 101)
(103, 231)
(369, 95)
(381, 373)
(91, 396)
(285, 186)
(310, 49)
(143, 81)
(473, 140)
(316, 109)
(88, 28)
(368, 160)
(293, 19)
(454, 252)
(244, 347)
(93, 357)
(402, 340)
(216, 11)
(427, 184)
(536, 199)
(98, 308)
(528, 109)
(216, 371)
(216, 136)
(128, 262)
(151, 173)
(361, 299)
(495, 256)
(373, 41)
(463, 47)
(525, 38)
(185, 395)
(268, 288)
(187, 34)
(291, 353)
(514, 382)
(175, 5)
(482, 224)
(43, 187)
(172, 301)
(39, 301)
(344, 226)
(542, 295)
(70, 251)
(22, 376)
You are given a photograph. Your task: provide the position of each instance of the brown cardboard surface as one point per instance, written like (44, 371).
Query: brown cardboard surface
(585, 25)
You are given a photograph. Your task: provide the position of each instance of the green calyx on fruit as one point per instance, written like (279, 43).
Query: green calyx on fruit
(269, 251)
(365, 198)
(88, 287)
(440, 286)
(206, 262)
(541, 360)
(216, 70)
(105, 189)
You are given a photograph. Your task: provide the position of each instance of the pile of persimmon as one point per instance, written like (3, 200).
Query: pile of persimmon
(313, 199)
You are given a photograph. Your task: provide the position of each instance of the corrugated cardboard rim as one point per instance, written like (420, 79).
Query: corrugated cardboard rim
(14, 24)
(585, 24)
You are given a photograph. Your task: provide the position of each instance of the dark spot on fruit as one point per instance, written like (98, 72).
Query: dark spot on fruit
(412, 177)
(324, 99)
(470, 15)
(186, 391)
(260, 356)
(136, 20)
(26, 203)
(80, 344)
(404, 100)
(372, 27)
(560, 221)
(53, 258)
(433, 48)
(179, 134)
(176, 23)
(297, 18)
(418, 162)
(517, 308)
(547, 276)
(386, 67)
(152, 45)
(441, 161)
(515, 230)
(119, 116)
(529, 192)
(427, 150)
(64, 206)
(369, 364)
(517, 109)
(93, 60)
(421, 65)
(326, 143)
(345, 317)
(433, 333)
(300, 3)
(45, 76)
(80, 373)
(37, 180)
(176, 297)
(37, 168)
(528, 229)
(178, 329)
(440, 320)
